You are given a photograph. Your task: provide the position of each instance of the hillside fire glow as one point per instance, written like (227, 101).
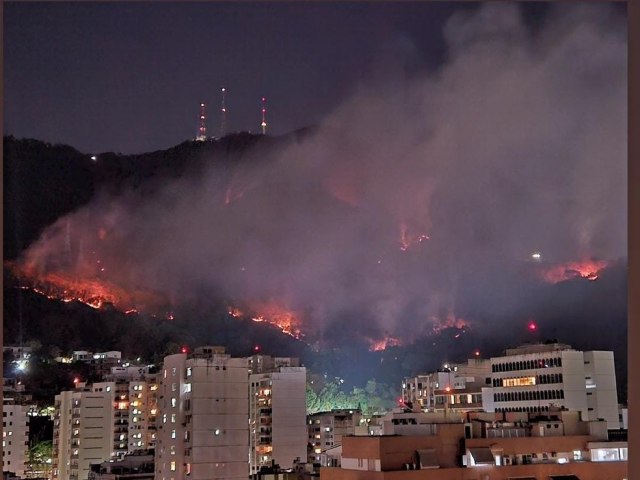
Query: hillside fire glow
(588, 269)
(419, 203)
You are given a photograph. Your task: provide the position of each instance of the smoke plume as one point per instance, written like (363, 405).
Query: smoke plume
(418, 201)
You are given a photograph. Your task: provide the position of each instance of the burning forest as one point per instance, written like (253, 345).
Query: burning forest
(411, 208)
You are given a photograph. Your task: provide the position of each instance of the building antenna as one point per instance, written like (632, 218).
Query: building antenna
(223, 112)
(202, 129)
(264, 116)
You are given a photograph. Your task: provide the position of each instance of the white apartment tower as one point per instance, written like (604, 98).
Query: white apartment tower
(533, 378)
(277, 412)
(15, 437)
(102, 421)
(83, 432)
(203, 424)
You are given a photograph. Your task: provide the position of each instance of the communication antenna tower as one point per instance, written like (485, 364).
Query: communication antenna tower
(223, 112)
(202, 129)
(264, 116)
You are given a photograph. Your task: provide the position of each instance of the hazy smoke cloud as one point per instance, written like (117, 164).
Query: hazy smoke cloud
(516, 144)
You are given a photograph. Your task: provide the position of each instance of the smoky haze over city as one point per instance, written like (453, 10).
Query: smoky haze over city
(454, 195)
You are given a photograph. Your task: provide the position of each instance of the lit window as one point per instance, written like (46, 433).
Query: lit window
(173, 434)
(174, 402)
(172, 466)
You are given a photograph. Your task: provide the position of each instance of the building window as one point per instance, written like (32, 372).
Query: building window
(172, 466)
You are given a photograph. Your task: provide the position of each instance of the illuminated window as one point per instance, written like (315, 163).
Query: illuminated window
(172, 466)
(174, 402)
(173, 434)
(518, 382)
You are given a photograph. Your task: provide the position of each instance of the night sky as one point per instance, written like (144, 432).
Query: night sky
(129, 77)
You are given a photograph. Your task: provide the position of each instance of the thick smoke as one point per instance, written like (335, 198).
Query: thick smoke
(515, 145)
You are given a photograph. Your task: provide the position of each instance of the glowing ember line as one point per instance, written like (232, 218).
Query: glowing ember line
(407, 240)
(380, 345)
(272, 314)
(588, 269)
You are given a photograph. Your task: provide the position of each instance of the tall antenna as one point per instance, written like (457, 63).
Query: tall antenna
(223, 112)
(202, 129)
(264, 116)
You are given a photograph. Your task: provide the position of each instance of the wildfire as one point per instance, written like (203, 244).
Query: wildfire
(93, 292)
(275, 315)
(589, 269)
(450, 322)
(380, 345)
(407, 240)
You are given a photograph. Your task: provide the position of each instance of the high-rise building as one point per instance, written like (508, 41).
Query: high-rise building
(535, 378)
(103, 421)
(277, 412)
(225, 418)
(83, 431)
(15, 437)
(204, 409)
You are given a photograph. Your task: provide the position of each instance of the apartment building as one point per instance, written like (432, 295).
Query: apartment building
(277, 412)
(15, 437)
(203, 428)
(454, 387)
(103, 421)
(326, 429)
(83, 431)
(539, 377)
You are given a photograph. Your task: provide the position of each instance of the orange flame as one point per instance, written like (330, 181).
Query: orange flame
(380, 345)
(407, 240)
(451, 321)
(95, 293)
(274, 314)
(589, 269)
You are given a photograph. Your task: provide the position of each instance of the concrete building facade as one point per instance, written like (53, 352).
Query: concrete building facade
(539, 377)
(83, 432)
(456, 387)
(15, 437)
(277, 412)
(103, 421)
(451, 451)
(203, 426)
(325, 432)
